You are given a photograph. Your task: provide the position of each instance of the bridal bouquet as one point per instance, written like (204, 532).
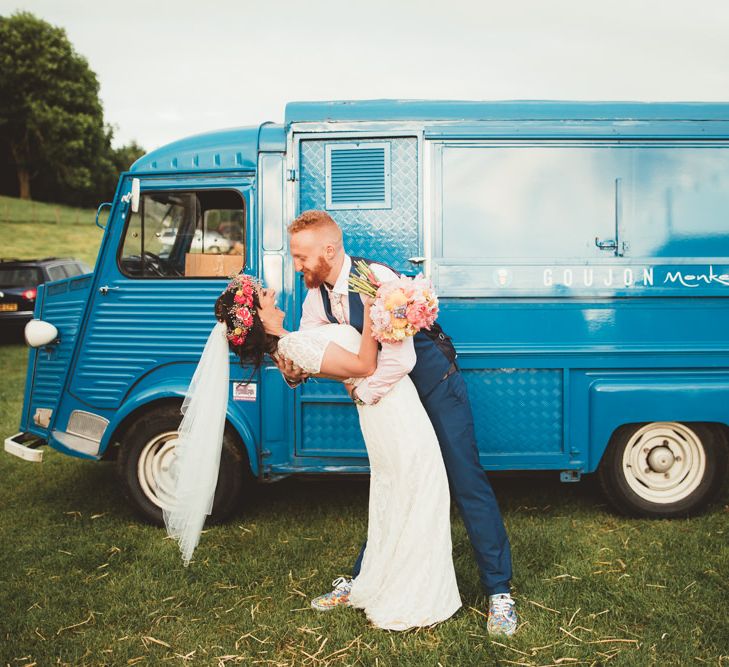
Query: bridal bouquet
(401, 307)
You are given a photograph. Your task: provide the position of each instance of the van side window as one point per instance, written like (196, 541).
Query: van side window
(675, 199)
(550, 202)
(531, 202)
(185, 234)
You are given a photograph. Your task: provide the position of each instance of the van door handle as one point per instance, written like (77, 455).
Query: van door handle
(417, 260)
(105, 289)
(606, 245)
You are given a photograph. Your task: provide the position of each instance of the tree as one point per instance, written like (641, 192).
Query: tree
(125, 156)
(50, 114)
(105, 181)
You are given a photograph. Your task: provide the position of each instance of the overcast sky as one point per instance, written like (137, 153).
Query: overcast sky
(171, 68)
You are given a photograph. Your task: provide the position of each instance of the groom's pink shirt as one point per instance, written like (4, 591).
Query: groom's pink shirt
(394, 360)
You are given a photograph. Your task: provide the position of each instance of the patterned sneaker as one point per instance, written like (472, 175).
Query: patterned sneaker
(502, 615)
(336, 598)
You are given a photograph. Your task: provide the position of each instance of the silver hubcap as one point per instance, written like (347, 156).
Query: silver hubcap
(155, 469)
(661, 459)
(664, 462)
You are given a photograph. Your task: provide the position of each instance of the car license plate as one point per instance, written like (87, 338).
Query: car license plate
(8, 306)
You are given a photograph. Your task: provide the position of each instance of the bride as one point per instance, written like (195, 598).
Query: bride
(408, 537)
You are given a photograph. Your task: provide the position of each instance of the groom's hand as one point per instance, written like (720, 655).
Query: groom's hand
(293, 373)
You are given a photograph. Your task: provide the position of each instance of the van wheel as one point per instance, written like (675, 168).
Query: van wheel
(145, 456)
(663, 469)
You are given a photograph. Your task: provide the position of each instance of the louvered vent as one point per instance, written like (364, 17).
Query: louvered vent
(358, 175)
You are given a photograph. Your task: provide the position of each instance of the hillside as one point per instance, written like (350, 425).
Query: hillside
(34, 229)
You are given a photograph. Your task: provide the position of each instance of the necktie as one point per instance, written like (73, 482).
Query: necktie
(337, 307)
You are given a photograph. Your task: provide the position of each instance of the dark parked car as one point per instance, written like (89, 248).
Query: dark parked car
(19, 279)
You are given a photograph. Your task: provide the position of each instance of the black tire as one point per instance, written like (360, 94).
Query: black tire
(663, 469)
(144, 441)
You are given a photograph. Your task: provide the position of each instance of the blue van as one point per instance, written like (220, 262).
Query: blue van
(580, 252)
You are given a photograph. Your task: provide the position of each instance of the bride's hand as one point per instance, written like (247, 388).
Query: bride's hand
(271, 316)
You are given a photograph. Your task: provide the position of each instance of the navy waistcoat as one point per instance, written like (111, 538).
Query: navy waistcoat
(433, 349)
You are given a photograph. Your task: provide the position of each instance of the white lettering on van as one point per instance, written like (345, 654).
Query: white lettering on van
(631, 276)
(606, 277)
(694, 280)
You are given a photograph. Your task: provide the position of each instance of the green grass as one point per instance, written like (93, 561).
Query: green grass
(34, 229)
(13, 209)
(84, 583)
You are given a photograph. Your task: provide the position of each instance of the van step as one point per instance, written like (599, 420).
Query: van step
(24, 446)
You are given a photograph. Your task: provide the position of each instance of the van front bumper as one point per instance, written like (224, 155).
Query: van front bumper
(25, 446)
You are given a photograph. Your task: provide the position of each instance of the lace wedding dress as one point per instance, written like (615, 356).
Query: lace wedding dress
(407, 578)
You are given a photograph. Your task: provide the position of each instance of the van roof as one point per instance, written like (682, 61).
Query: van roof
(358, 110)
(234, 148)
(238, 148)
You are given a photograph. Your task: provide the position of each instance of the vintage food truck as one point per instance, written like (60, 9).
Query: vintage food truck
(580, 252)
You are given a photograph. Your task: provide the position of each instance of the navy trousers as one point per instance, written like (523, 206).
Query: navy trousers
(449, 410)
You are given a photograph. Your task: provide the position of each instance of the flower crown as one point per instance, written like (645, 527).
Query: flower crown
(243, 286)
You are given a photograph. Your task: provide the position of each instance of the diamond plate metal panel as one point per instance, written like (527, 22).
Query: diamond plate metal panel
(331, 428)
(318, 388)
(390, 235)
(517, 410)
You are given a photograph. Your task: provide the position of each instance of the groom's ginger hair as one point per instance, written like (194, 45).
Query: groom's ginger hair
(315, 220)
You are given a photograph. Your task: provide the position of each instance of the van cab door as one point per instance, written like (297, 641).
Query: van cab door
(370, 186)
(158, 276)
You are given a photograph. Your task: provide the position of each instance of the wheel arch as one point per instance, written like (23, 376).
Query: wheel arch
(150, 400)
(614, 404)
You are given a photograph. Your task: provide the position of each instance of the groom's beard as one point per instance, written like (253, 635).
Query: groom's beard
(314, 278)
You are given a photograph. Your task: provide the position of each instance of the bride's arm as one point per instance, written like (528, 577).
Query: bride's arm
(340, 364)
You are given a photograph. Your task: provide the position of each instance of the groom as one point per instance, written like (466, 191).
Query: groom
(429, 358)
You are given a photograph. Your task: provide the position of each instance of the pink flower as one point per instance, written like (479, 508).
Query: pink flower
(245, 317)
(418, 315)
(239, 298)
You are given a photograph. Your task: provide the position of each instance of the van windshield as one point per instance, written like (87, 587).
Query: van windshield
(175, 233)
(24, 276)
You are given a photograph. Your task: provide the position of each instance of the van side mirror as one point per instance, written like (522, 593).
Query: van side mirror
(39, 333)
(135, 195)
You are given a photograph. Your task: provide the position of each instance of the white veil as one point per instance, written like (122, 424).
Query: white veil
(200, 441)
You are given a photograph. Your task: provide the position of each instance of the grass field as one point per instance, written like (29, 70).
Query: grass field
(83, 582)
(33, 229)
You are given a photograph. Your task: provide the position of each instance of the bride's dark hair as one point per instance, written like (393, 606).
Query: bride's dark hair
(257, 342)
